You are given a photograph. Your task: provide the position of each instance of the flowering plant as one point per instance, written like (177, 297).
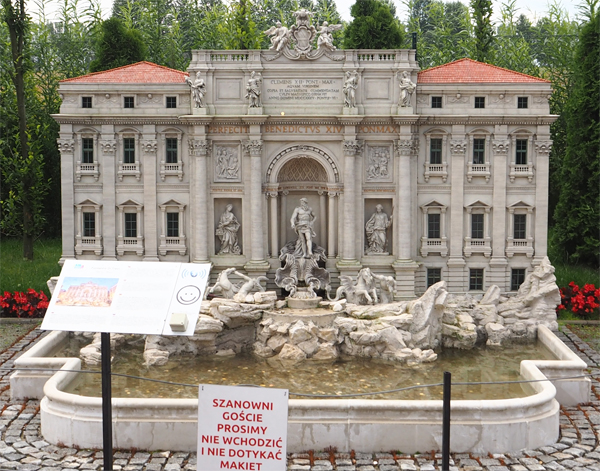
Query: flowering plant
(28, 305)
(580, 301)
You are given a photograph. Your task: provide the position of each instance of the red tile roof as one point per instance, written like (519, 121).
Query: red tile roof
(140, 72)
(471, 71)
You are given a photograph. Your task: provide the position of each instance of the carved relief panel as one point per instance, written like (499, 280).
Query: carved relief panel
(378, 164)
(227, 163)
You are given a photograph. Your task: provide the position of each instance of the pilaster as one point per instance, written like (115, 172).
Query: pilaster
(106, 158)
(199, 149)
(148, 148)
(66, 147)
(498, 262)
(542, 159)
(456, 262)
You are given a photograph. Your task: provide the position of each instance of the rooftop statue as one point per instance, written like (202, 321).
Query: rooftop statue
(280, 36)
(325, 38)
(198, 88)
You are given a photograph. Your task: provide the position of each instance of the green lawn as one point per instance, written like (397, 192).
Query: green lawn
(18, 274)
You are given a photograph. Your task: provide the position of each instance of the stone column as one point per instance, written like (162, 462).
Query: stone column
(258, 264)
(148, 148)
(456, 261)
(332, 224)
(349, 264)
(404, 266)
(283, 217)
(199, 151)
(323, 222)
(542, 150)
(106, 159)
(66, 146)
(498, 262)
(273, 221)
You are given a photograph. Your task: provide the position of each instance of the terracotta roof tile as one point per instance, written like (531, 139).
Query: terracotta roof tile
(140, 72)
(471, 71)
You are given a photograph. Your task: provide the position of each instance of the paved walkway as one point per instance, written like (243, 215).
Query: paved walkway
(23, 448)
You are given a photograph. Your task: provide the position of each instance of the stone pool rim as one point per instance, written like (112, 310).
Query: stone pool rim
(478, 426)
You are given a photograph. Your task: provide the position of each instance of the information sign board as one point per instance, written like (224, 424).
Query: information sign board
(127, 297)
(242, 428)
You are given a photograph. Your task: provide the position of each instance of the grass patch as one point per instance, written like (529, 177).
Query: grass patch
(18, 274)
(590, 334)
(581, 275)
(10, 333)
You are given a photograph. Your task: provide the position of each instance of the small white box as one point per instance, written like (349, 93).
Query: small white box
(178, 322)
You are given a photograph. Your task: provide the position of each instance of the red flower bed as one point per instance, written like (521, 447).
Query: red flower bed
(583, 302)
(24, 305)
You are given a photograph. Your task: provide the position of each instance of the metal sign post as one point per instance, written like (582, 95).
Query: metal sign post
(106, 402)
(446, 422)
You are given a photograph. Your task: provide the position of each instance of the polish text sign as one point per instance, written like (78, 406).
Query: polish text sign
(242, 428)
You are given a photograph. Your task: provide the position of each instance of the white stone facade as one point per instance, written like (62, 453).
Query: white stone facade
(146, 174)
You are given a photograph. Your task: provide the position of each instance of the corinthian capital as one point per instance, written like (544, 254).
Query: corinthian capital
(458, 146)
(543, 147)
(149, 146)
(253, 147)
(198, 147)
(406, 146)
(66, 146)
(500, 146)
(108, 146)
(353, 147)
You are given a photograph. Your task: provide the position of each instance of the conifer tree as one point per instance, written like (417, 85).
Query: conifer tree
(373, 27)
(117, 46)
(483, 30)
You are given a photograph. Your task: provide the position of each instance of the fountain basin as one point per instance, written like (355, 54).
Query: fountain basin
(480, 426)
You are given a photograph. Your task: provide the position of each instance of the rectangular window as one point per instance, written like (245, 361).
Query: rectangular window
(478, 151)
(479, 102)
(435, 151)
(522, 102)
(520, 226)
(171, 102)
(476, 279)
(436, 101)
(433, 226)
(89, 224)
(86, 101)
(87, 150)
(433, 276)
(476, 226)
(130, 225)
(128, 102)
(517, 277)
(171, 145)
(172, 224)
(129, 150)
(521, 154)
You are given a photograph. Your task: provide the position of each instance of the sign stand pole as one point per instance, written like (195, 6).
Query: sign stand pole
(106, 402)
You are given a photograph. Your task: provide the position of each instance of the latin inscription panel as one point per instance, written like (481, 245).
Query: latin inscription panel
(305, 90)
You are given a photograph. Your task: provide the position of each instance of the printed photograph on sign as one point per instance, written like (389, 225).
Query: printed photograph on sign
(87, 292)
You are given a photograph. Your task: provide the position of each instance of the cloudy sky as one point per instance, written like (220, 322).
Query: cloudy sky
(532, 8)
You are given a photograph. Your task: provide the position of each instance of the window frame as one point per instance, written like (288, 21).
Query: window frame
(171, 102)
(87, 102)
(519, 152)
(128, 101)
(432, 278)
(514, 276)
(479, 102)
(476, 279)
(129, 150)
(436, 102)
(522, 102)
(87, 151)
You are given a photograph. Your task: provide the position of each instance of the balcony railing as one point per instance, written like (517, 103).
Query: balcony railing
(91, 169)
(88, 244)
(434, 246)
(478, 170)
(436, 170)
(172, 244)
(483, 246)
(130, 169)
(520, 171)
(171, 169)
(519, 246)
(130, 244)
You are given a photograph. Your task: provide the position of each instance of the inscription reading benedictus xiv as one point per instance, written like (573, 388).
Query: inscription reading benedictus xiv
(318, 90)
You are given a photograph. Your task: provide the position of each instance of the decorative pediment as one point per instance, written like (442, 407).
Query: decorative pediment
(130, 203)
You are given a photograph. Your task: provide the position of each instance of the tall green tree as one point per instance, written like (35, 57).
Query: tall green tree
(483, 30)
(238, 28)
(373, 27)
(117, 46)
(578, 208)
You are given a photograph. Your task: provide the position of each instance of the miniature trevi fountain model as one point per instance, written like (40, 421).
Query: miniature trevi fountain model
(307, 321)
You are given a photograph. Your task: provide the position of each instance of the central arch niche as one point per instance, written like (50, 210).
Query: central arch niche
(301, 172)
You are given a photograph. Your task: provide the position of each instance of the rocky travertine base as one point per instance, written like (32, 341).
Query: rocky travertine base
(408, 331)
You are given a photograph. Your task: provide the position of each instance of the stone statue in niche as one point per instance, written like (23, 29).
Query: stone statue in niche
(198, 88)
(227, 164)
(301, 258)
(379, 160)
(302, 222)
(350, 86)
(253, 89)
(325, 39)
(227, 232)
(280, 36)
(376, 229)
(407, 88)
